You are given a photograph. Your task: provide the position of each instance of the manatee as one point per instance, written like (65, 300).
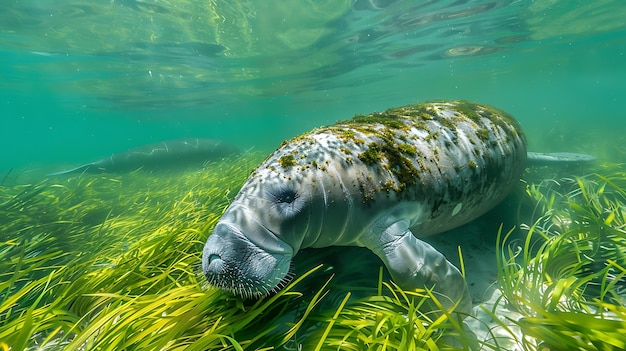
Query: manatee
(162, 155)
(380, 181)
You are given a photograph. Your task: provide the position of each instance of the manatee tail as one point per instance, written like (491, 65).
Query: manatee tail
(79, 169)
(544, 158)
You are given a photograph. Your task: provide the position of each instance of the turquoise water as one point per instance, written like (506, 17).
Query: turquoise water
(82, 79)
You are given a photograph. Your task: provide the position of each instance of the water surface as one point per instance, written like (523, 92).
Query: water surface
(83, 79)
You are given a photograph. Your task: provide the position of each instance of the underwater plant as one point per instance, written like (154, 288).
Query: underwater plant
(568, 278)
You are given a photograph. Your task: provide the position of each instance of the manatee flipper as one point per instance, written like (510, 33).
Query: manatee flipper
(413, 264)
(543, 158)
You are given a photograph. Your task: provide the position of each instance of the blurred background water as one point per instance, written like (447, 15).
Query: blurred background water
(83, 79)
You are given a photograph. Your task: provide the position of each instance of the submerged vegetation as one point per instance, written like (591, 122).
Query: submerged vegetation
(102, 262)
(568, 278)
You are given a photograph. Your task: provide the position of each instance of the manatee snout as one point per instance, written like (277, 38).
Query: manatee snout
(234, 263)
(216, 256)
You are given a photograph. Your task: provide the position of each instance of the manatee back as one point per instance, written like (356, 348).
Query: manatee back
(451, 161)
(469, 158)
(454, 160)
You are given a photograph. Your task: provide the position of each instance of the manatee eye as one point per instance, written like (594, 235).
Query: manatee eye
(287, 202)
(286, 196)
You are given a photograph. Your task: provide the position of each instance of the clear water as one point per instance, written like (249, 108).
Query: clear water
(82, 79)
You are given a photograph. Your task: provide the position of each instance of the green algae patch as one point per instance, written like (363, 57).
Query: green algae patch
(372, 155)
(407, 149)
(346, 135)
(389, 119)
(500, 118)
(287, 161)
(483, 134)
(395, 160)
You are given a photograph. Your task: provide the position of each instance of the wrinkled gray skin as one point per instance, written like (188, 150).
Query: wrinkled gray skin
(162, 155)
(435, 166)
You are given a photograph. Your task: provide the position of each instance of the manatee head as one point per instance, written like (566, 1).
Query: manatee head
(250, 250)
(233, 262)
